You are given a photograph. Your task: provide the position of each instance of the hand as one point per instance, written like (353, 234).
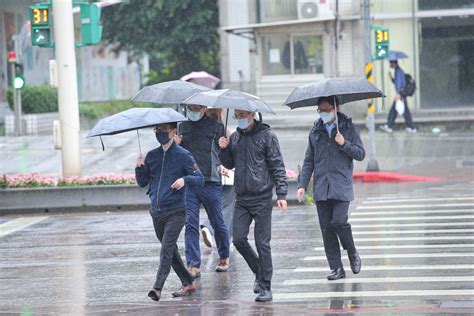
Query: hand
(389, 75)
(397, 97)
(300, 194)
(178, 139)
(224, 171)
(140, 161)
(340, 139)
(178, 184)
(223, 143)
(282, 205)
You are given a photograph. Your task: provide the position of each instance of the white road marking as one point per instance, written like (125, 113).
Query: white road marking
(403, 212)
(397, 267)
(411, 196)
(405, 232)
(401, 256)
(415, 238)
(391, 293)
(382, 280)
(422, 224)
(386, 247)
(421, 200)
(424, 218)
(368, 207)
(19, 224)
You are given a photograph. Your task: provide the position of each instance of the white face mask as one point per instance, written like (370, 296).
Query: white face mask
(326, 116)
(194, 116)
(243, 123)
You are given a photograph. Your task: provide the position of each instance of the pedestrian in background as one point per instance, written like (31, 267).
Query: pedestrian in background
(167, 170)
(200, 135)
(399, 82)
(254, 152)
(332, 147)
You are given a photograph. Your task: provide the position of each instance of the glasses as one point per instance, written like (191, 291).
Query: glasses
(194, 108)
(163, 130)
(241, 116)
(324, 110)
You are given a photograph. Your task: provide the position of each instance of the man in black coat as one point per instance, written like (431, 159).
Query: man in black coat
(329, 158)
(255, 153)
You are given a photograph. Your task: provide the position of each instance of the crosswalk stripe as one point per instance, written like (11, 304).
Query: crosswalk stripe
(422, 224)
(401, 256)
(19, 224)
(415, 238)
(405, 232)
(382, 280)
(391, 293)
(403, 212)
(412, 196)
(421, 200)
(420, 246)
(410, 218)
(368, 207)
(397, 267)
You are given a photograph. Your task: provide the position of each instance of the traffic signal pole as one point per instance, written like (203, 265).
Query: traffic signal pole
(68, 99)
(372, 165)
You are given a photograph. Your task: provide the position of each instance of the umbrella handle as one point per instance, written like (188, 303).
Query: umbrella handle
(139, 144)
(102, 142)
(226, 120)
(335, 111)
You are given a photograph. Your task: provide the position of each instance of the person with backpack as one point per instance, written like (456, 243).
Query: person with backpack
(403, 88)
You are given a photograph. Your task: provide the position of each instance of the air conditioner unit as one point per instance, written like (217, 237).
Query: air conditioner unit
(313, 9)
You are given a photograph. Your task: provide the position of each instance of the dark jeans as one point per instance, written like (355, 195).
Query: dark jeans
(259, 210)
(210, 196)
(228, 205)
(168, 226)
(333, 217)
(392, 115)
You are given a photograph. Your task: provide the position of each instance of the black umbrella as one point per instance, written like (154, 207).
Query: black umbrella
(169, 92)
(134, 119)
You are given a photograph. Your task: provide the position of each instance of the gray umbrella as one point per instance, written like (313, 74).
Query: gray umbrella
(169, 92)
(346, 89)
(134, 119)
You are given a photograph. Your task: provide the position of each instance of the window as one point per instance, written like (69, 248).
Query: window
(444, 4)
(278, 10)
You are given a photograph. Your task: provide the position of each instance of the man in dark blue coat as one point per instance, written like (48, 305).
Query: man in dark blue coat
(167, 170)
(329, 159)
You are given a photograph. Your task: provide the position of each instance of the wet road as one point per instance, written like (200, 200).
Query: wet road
(416, 242)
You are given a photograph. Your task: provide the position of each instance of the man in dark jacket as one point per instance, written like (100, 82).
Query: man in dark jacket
(255, 153)
(166, 170)
(329, 158)
(200, 135)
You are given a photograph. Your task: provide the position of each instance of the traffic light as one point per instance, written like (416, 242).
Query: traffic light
(40, 18)
(382, 43)
(91, 29)
(19, 80)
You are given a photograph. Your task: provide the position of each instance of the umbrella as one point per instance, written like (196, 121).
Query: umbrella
(134, 119)
(395, 54)
(230, 99)
(202, 78)
(169, 92)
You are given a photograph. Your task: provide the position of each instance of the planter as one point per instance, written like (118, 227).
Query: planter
(84, 198)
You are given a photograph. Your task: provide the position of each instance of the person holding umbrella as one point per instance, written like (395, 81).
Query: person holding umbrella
(167, 170)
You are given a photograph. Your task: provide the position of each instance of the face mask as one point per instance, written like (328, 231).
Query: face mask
(326, 117)
(194, 116)
(162, 137)
(243, 123)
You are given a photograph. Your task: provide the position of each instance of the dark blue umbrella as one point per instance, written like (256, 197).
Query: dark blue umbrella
(134, 119)
(395, 54)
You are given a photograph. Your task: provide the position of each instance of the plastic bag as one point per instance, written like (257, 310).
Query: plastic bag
(400, 107)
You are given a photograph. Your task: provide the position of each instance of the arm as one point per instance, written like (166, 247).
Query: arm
(308, 166)
(354, 147)
(277, 167)
(225, 153)
(399, 80)
(142, 172)
(193, 174)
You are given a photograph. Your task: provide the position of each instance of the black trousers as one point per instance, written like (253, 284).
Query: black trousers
(333, 220)
(392, 115)
(259, 210)
(168, 226)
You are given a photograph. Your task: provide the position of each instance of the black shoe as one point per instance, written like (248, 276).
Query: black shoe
(264, 296)
(336, 274)
(256, 287)
(355, 263)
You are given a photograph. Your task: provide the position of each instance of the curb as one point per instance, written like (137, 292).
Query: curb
(379, 176)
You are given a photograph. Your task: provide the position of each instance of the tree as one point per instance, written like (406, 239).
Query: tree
(182, 34)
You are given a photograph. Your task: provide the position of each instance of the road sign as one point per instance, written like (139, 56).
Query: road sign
(40, 16)
(382, 43)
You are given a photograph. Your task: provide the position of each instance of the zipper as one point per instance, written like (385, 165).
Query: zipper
(159, 181)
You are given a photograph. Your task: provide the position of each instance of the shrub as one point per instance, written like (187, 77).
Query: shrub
(97, 110)
(36, 99)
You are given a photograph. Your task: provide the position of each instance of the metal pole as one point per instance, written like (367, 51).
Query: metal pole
(15, 102)
(372, 165)
(67, 87)
(415, 53)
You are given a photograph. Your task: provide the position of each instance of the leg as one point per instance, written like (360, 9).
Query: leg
(191, 236)
(392, 115)
(407, 115)
(242, 221)
(262, 210)
(331, 243)
(228, 205)
(211, 199)
(342, 227)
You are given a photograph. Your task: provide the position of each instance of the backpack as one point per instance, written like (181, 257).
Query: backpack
(410, 86)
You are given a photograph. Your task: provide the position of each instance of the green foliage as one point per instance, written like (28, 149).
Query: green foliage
(36, 99)
(154, 77)
(180, 33)
(99, 110)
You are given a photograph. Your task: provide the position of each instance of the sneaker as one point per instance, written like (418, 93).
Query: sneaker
(410, 130)
(223, 265)
(195, 272)
(386, 129)
(206, 236)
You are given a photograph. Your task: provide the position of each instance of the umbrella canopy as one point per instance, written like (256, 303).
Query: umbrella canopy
(169, 92)
(202, 78)
(134, 119)
(346, 89)
(230, 99)
(395, 54)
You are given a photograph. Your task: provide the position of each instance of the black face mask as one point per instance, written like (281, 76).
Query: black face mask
(162, 137)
